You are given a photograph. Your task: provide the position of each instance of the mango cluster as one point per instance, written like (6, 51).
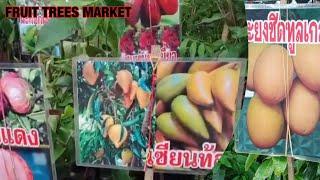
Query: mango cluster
(129, 87)
(286, 92)
(196, 102)
(131, 90)
(118, 135)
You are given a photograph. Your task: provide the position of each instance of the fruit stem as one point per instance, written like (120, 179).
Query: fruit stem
(231, 16)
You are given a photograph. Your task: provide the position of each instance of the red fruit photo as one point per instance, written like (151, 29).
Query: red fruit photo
(127, 44)
(150, 14)
(18, 91)
(134, 13)
(13, 166)
(170, 38)
(168, 7)
(25, 164)
(25, 139)
(151, 22)
(147, 39)
(22, 105)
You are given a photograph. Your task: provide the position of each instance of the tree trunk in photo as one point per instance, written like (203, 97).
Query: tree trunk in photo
(3, 56)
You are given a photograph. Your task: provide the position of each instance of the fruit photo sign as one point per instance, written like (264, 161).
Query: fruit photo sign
(111, 106)
(197, 101)
(29, 29)
(282, 108)
(123, 109)
(151, 22)
(24, 134)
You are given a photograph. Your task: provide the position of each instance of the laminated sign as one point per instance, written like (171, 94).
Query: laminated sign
(29, 29)
(24, 135)
(282, 103)
(151, 22)
(111, 112)
(175, 116)
(197, 101)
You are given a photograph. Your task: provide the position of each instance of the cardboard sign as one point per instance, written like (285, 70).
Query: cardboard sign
(282, 107)
(24, 135)
(151, 23)
(130, 116)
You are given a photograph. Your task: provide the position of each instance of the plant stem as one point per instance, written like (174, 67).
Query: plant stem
(225, 32)
(62, 49)
(145, 125)
(290, 168)
(59, 114)
(231, 17)
(129, 111)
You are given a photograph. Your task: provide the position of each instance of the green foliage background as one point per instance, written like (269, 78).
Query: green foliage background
(211, 28)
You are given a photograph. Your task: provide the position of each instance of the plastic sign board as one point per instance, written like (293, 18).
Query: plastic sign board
(282, 106)
(24, 134)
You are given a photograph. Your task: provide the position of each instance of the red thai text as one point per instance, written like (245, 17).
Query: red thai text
(163, 156)
(290, 32)
(19, 137)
